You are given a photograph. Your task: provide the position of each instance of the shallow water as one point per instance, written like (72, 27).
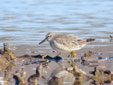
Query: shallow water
(25, 22)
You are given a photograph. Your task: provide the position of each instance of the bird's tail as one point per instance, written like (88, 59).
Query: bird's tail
(90, 40)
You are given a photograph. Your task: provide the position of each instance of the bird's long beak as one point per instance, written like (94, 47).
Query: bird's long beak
(43, 41)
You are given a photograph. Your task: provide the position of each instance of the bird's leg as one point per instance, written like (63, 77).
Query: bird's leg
(71, 63)
(73, 54)
(67, 57)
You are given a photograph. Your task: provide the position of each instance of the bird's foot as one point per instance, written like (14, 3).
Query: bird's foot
(43, 57)
(73, 54)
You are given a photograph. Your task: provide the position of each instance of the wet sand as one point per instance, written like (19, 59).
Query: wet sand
(100, 51)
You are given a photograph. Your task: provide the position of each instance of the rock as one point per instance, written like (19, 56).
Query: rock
(62, 76)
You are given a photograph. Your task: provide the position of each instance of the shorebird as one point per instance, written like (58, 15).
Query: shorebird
(65, 43)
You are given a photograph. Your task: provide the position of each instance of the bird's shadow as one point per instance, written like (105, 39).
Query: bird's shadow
(56, 58)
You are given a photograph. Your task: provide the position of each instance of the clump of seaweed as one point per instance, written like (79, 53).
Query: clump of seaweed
(101, 76)
(6, 57)
(33, 79)
(88, 54)
(80, 75)
(9, 55)
(20, 78)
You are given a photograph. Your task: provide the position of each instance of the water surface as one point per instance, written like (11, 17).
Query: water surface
(26, 22)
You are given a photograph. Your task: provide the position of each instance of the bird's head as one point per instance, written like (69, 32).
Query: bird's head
(48, 37)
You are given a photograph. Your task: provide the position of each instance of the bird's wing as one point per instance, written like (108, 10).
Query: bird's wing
(68, 40)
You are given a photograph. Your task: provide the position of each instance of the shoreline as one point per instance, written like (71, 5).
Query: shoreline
(27, 49)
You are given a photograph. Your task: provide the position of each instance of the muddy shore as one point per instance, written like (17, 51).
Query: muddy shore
(102, 51)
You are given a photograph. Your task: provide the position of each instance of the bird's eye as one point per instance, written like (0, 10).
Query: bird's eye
(49, 36)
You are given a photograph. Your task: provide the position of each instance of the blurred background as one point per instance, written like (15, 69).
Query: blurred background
(26, 22)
